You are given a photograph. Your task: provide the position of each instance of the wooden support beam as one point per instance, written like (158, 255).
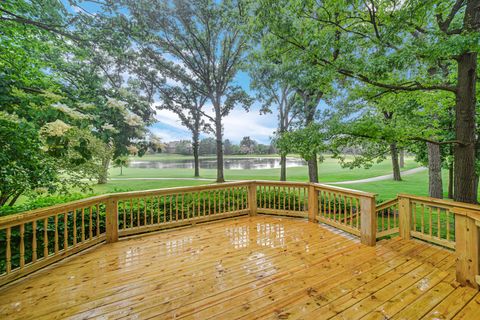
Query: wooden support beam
(368, 222)
(404, 217)
(111, 222)
(252, 198)
(467, 249)
(312, 203)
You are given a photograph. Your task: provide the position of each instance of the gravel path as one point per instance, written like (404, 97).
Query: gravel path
(380, 178)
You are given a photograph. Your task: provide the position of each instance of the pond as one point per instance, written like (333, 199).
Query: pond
(209, 163)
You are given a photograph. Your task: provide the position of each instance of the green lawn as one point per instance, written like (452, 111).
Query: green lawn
(416, 184)
(329, 171)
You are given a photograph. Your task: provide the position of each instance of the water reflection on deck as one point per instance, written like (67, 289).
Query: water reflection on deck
(253, 267)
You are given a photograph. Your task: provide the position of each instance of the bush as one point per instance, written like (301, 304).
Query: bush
(42, 202)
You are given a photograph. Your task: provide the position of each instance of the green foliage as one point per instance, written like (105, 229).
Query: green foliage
(23, 166)
(307, 142)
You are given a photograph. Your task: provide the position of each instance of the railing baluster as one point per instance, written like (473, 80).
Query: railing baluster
(98, 221)
(145, 205)
(138, 212)
(151, 210)
(65, 231)
(90, 227)
(56, 234)
(34, 241)
(351, 211)
(422, 217)
(199, 196)
(131, 213)
(438, 222)
(165, 208)
(158, 209)
(8, 250)
(171, 204)
(45, 237)
(83, 224)
(75, 227)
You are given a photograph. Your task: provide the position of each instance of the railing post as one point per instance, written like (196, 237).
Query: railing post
(466, 248)
(312, 203)
(368, 222)
(404, 217)
(111, 220)
(252, 198)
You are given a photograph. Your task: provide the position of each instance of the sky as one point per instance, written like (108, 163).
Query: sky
(237, 124)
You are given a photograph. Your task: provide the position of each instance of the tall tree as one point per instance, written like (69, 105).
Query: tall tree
(270, 80)
(188, 106)
(196, 43)
(390, 45)
(309, 103)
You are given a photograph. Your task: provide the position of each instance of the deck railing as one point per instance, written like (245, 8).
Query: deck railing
(38, 238)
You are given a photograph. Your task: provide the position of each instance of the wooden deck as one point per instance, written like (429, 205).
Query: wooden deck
(252, 267)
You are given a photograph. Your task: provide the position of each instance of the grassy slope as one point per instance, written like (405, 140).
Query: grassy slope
(416, 184)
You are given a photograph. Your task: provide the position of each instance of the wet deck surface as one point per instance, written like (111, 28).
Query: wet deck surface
(252, 267)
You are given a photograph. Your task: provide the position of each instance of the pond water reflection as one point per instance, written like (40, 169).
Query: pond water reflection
(230, 163)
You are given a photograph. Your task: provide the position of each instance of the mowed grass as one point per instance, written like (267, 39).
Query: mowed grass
(329, 171)
(416, 184)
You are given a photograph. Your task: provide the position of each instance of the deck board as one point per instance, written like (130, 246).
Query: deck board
(259, 267)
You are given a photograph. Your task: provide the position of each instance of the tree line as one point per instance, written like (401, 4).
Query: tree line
(208, 146)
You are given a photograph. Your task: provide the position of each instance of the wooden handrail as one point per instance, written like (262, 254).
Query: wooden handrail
(442, 202)
(386, 204)
(177, 190)
(31, 215)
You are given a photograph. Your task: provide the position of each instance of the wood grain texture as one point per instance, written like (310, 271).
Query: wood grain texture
(258, 267)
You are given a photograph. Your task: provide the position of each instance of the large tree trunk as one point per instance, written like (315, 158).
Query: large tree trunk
(435, 185)
(395, 165)
(283, 167)
(464, 160)
(195, 146)
(103, 174)
(219, 140)
(313, 169)
(402, 158)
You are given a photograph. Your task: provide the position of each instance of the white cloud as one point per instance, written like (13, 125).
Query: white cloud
(169, 135)
(237, 125)
(169, 118)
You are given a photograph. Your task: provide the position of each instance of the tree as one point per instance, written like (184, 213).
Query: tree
(228, 147)
(308, 142)
(391, 46)
(23, 166)
(271, 81)
(184, 147)
(120, 162)
(208, 146)
(247, 145)
(196, 43)
(187, 104)
(82, 64)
